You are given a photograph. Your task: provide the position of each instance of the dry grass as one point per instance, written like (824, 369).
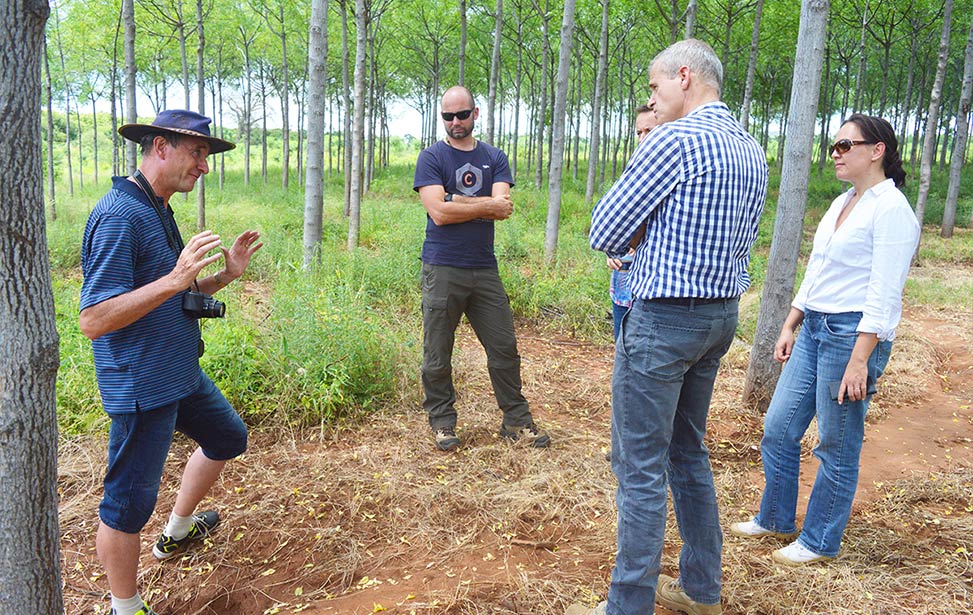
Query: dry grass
(367, 513)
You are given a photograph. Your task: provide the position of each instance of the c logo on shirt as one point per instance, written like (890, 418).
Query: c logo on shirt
(469, 179)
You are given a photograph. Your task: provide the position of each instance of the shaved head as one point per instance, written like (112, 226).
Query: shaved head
(458, 95)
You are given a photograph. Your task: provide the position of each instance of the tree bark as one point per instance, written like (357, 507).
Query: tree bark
(346, 107)
(932, 118)
(691, 20)
(778, 289)
(48, 90)
(317, 101)
(29, 538)
(557, 143)
(131, 116)
(201, 103)
(589, 189)
(354, 216)
(494, 73)
(959, 141)
(462, 42)
(751, 67)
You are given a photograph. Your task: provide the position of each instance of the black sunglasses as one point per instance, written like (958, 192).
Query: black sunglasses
(843, 146)
(447, 116)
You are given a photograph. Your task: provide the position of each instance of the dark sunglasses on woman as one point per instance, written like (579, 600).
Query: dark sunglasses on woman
(843, 146)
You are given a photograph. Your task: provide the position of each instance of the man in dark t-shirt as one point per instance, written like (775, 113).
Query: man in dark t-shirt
(464, 184)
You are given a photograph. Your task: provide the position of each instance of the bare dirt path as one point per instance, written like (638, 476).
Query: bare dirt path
(369, 518)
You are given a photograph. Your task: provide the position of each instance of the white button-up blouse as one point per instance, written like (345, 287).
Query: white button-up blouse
(862, 266)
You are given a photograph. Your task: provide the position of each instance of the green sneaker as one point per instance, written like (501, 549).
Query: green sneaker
(145, 610)
(203, 524)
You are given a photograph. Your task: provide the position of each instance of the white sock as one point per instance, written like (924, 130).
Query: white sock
(178, 526)
(126, 606)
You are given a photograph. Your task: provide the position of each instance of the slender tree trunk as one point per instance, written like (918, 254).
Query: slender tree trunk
(48, 89)
(201, 103)
(542, 109)
(354, 217)
(932, 118)
(67, 102)
(346, 106)
(557, 143)
(494, 73)
(462, 42)
(778, 287)
(863, 52)
(131, 117)
(825, 113)
(317, 100)
(518, 83)
(959, 141)
(589, 189)
(691, 20)
(29, 537)
(77, 116)
(751, 67)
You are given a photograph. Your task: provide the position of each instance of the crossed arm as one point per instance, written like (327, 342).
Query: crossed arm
(463, 208)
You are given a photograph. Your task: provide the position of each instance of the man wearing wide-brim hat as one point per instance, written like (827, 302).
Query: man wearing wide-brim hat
(141, 300)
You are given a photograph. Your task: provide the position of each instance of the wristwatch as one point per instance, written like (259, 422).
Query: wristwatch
(448, 198)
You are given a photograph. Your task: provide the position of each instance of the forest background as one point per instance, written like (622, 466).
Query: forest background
(330, 329)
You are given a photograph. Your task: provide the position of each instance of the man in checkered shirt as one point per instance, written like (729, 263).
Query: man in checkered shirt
(698, 182)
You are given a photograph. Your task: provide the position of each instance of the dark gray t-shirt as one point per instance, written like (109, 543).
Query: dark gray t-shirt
(468, 244)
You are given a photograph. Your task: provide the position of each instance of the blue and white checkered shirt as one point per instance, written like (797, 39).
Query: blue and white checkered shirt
(699, 183)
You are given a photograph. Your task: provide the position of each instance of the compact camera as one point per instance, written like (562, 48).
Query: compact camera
(201, 305)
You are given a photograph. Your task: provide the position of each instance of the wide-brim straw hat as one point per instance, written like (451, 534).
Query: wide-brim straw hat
(178, 121)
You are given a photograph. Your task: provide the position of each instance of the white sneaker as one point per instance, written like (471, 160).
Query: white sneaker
(752, 529)
(796, 554)
(577, 609)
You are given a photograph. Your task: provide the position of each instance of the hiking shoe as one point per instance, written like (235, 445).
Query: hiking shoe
(796, 554)
(530, 433)
(145, 610)
(577, 609)
(669, 594)
(203, 524)
(446, 439)
(752, 529)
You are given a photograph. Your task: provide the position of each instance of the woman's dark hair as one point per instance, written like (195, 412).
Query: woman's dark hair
(876, 130)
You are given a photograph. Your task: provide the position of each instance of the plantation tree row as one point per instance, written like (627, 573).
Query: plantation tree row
(247, 62)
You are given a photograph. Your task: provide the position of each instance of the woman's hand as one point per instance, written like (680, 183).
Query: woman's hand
(784, 345)
(855, 381)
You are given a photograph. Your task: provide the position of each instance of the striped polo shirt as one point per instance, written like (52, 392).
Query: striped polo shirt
(699, 184)
(153, 361)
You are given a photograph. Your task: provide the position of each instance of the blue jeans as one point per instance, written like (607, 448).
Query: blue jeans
(816, 366)
(138, 444)
(618, 312)
(666, 361)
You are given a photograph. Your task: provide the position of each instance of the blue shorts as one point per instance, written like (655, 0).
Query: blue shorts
(138, 444)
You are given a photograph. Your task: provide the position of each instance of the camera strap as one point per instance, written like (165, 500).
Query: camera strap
(172, 231)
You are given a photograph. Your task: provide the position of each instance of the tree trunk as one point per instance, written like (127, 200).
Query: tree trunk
(932, 118)
(67, 102)
(959, 141)
(94, 134)
(778, 288)
(50, 133)
(201, 101)
(589, 189)
(751, 67)
(557, 144)
(354, 216)
(29, 538)
(346, 106)
(542, 109)
(691, 20)
(494, 73)
(284, 103)
(131, 117)
(518, 84)
(317, 100)
(462, 42)
(860, 79)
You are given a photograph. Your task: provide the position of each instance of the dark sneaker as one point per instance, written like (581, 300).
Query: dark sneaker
(446, 439)
(530, 433)
(669, 594)
(203, 524)
(145, 610)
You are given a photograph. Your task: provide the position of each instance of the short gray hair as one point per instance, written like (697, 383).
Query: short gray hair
(695, 54)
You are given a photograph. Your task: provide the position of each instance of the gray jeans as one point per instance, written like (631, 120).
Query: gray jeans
(447, 294)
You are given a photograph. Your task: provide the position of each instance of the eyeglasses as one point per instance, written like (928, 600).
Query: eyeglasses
(843, 146)
(447, 116)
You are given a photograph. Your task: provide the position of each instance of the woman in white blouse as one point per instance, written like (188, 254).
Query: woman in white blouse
(849, 303)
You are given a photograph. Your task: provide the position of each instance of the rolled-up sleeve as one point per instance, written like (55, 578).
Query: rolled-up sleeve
(896, 235)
